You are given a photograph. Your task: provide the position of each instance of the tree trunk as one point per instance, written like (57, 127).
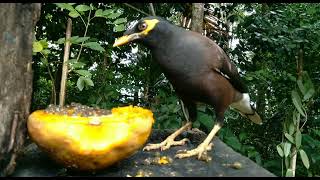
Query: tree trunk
(197, 17)
(57, 81)
(64, 74)
(16, 33)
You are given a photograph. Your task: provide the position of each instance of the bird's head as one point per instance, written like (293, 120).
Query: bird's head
(142, 31)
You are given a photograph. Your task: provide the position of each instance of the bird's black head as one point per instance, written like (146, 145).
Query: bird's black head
(144, 31)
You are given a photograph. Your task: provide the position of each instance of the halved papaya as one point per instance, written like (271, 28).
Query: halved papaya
(83, 138)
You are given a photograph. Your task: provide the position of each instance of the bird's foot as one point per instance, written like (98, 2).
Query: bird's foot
(200, 152)
(166, 144)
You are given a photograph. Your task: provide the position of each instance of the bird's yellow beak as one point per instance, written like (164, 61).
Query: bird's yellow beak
(131, 35)
(126, 39)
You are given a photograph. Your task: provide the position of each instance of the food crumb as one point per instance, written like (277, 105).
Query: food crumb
(235, 165)
(163, 160)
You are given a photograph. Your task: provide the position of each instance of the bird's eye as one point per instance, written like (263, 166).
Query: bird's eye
(142, 26)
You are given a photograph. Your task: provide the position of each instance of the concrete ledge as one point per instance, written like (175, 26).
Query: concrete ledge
(36, 163)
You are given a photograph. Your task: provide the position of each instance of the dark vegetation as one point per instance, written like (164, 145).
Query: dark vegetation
(275, 46)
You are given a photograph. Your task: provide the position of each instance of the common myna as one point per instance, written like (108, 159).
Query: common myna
(198, 69)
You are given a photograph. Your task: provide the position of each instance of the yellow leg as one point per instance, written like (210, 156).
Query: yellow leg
(166, 144)
(202, 149)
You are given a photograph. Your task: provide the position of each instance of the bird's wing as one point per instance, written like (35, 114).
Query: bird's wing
(229, 70)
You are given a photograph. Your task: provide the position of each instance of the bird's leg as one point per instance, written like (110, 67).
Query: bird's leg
(190, 113)
(167, 143)
(201, 150)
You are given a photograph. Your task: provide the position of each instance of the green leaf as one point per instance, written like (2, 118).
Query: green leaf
(37, 46)
(280, 151)
(77, 65)
(304, 158)
(88, 81)
(308, 86)
(84, 73)
(287, 162)
(65, 6)
(74, 14)
(80, 83)
(44, 61)
(99, 13)
(289, 137)
(118, 28)
(291, 128)
(107, 12)
(71, 61)
(301, 86)
(249, 78)
(206, 120)
(120, 21)
(82, 8)
(291, 77)
(114, 15)
(61, 40)
(45, 52)
(107, 95)
(316, 132)
(94, 45)
(81, 39)
(109, 22)
(287, 148)
(297, 102)
(44, 43)
(298, 139)
(243, 136)
(289, 173)
(174, 124)
(233, 142)
(298, 40)
(308, 94)
(73, 39)
(196, 124)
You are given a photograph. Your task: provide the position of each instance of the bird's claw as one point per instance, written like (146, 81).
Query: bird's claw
(149, 147)
(166, 144)
(201, 151)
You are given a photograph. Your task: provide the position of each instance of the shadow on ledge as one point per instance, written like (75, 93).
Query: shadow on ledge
(36, 163)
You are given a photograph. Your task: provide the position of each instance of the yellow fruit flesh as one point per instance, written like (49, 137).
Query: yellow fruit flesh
(78, 143)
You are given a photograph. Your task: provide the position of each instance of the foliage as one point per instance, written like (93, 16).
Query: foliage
(291, 145)
(270, 37)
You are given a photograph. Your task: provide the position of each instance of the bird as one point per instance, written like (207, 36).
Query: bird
(200, 72)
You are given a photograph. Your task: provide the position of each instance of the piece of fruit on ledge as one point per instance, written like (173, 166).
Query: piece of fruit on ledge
(89, 139)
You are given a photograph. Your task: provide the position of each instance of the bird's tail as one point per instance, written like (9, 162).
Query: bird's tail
(244, 107)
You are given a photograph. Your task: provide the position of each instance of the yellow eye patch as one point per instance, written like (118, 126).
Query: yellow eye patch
(150, 25)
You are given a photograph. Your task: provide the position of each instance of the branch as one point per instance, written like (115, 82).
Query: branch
(65, 63)
(136, 9)
(206, 18)
(293, 161)
(189, 24)
(85, 34)
(184, 21)
(52, 79)
(217, 19)
(186, 115)
(222, 31)
(152, 9)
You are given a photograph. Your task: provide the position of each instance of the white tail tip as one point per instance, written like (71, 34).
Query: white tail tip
(244, 108)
